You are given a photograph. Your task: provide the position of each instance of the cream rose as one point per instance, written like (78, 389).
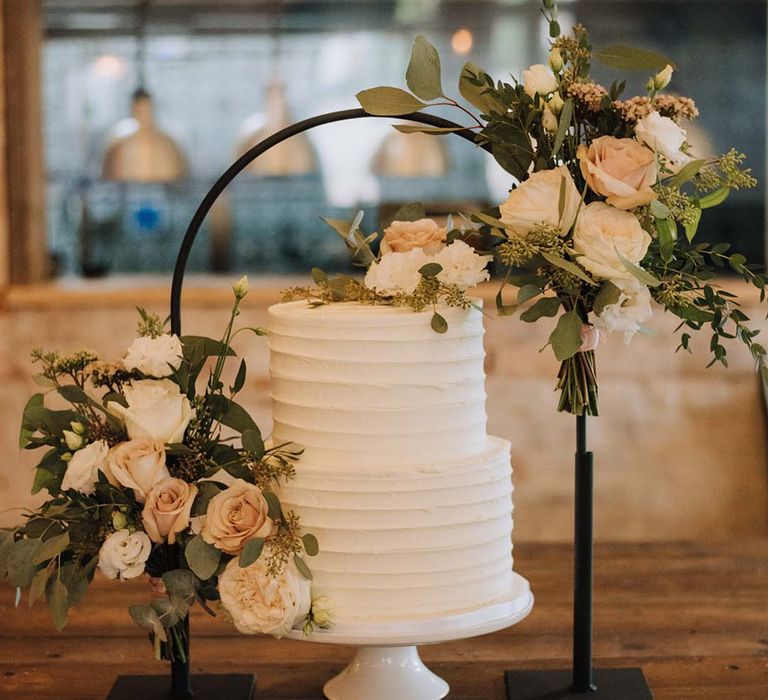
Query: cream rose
(539, 79)
(156, 408)
(83, 469)
(622, 170)
(157, 357)
(600, 231)
(259, 603)
(124, 554)
(396, 272)
(664, 137)
(167, 509)
(537, 201)
(237, 514)
(631, 310)
(138, 464)
(402, 236)
(462, 266)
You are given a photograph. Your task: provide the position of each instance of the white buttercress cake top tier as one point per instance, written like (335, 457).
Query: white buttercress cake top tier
(360, 386)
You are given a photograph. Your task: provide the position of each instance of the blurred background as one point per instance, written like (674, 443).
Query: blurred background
(117, 116)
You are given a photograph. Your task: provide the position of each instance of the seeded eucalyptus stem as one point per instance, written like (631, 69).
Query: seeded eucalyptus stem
(577, 384)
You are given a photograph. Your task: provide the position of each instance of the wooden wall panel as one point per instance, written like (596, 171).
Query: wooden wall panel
(4, 224)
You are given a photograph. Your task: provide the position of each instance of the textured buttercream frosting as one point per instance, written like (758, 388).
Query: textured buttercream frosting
(409, 498)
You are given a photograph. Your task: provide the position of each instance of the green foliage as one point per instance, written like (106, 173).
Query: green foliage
(438, 323)
(389, 101)
(624, 57)
(251, 552)
(202, 558)
(566, 338)
(423, 73)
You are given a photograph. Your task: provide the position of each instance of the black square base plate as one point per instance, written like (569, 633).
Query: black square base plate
(205, 687)
(611, 683)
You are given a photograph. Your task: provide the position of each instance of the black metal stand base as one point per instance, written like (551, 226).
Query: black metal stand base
(612, 684)
(206, 687)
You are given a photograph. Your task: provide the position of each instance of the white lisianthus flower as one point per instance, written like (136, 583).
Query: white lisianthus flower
(537, 201)
(462, 266)
(539, 79)
(156, 357)
(631, 310)
(260, 603)
(664, 137)
(124, 554)
(83, 469)
(156, 408)
(600, 231)
(396, 272)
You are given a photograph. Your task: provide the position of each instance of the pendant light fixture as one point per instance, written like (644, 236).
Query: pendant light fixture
(138, 150)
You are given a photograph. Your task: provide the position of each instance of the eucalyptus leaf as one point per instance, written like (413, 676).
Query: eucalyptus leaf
(181, 583)
(302, 567)
(417, 128)
(477, 95)
(58, 603)
(712, 199)
(624, 57)
(423, 73)
(608, 295)
(637, 272)
(438, 323)
(74, 394)
(253, 442)
(667, 231)
(687, 172)
(240, 378)
(659, 209)
(527, 292)
(564, 122)
(202, 558)
(568, 266)
(319, 276)
(273, 502)
(546, 306)
(50, 548)
(38, 585)
(206, 490)
(28, 426)
(693, 226)
(20, 564)
(311, 546)
(251, 552)
(566, 338)
(431, 269)
(388, 101)
(412, 211)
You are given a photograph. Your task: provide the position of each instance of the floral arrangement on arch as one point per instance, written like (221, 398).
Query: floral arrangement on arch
(148, 474)
(602, 218)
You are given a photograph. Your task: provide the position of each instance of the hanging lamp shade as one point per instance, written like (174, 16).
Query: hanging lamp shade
(410, 156)
(293, 157)
(140, 152)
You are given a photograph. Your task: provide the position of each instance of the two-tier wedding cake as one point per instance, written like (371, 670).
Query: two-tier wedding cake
(409, 497)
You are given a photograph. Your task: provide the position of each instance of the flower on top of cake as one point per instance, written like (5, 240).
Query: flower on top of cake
(419, 264)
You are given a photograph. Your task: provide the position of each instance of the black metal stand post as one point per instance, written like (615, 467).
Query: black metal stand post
(582, 680)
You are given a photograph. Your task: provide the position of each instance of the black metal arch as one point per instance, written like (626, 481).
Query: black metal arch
(249, 156)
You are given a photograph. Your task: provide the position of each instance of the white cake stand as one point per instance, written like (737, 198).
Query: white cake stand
(387, 666)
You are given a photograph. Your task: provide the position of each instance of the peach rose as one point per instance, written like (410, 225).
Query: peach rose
(403, 236)
(167, 509)
(236, 515)
(138, 464)
(622, 170)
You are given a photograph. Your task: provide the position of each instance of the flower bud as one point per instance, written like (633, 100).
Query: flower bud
(590, 337)
(78, 428)
(662, 78)
(73, 440)
(321, 611)
(119, 521)
(66, 457)
(555, 60)
(549, 120)
(555, 103)
(240, 288)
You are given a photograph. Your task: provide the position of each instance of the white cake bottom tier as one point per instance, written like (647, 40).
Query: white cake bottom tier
(396, 544)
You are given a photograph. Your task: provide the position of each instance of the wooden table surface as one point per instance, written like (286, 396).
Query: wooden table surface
(693, 616)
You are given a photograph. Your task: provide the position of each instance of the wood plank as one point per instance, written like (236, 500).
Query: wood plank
(4, 213)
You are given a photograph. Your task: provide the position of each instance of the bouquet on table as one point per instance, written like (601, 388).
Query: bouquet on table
(602, 218)
(148, 475)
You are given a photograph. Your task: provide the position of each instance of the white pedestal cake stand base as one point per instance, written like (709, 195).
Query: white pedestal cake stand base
(387, 664)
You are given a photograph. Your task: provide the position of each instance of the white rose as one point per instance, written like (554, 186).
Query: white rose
(138, 464)
(600, 231)
(262, 604)
(156, 357)
(537, 201)
(83, 469)
(539, 79)
(396, 272)
(157, 408)
(663, 136)
(631, 310)
(462, 266)
(124, 554)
